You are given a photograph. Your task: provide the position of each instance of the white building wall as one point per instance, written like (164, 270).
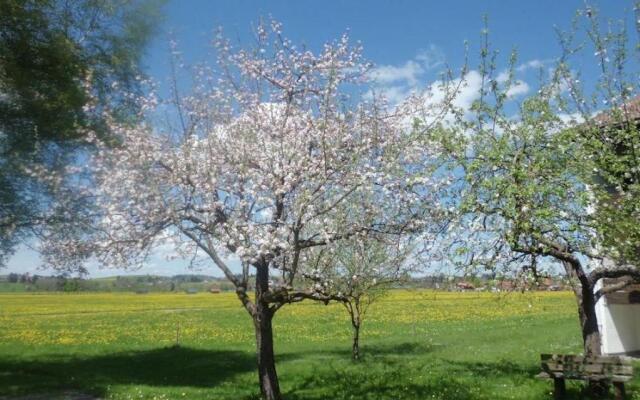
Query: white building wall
(619, 326)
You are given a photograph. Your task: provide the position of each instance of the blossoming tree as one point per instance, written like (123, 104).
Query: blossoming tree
(272, 143)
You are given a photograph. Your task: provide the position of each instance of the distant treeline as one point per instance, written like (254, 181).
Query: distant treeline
(14, 282)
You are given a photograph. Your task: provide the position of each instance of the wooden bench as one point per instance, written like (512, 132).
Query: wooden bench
(609, 369)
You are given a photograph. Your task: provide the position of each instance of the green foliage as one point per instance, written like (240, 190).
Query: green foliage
(40, 71)
(55, 55)
(63, 66)
(557, 174)
(71, 285)
(519, 199)
(607, 138)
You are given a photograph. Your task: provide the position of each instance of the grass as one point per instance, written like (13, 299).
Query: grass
(416, 345)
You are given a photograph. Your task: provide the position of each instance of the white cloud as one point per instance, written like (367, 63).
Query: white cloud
(532, 64)
(469, 90)
(393, 94)
(502, 77)
(461, 93)
(407, 73)
(518, 88)
(396, 82)
(431, 57)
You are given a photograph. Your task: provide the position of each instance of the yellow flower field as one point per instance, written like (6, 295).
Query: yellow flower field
(112, 318)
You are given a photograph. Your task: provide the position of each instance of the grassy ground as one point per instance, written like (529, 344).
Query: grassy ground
(417, 345)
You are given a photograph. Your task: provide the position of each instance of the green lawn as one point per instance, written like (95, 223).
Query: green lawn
(417, 345)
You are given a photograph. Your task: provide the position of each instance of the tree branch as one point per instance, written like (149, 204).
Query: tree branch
(625, 271)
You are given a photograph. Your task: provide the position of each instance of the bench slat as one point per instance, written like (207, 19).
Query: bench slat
(612, 378)
(582, 359)
(607, 368)
(600, 368)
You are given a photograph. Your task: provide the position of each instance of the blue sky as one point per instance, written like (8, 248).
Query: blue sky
(392, 32)
(409, 41)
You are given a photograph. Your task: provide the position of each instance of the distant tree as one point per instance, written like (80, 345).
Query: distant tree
(71, 285)
(13, 277)
(64, 65)
(272, 144)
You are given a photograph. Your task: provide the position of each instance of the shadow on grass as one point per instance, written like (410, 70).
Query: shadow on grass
(399, 349)
(367, 351)
(171, 366)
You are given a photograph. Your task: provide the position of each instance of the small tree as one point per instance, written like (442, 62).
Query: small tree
(270, 146)
(360, 271)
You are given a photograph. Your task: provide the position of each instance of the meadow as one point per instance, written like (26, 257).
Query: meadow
(416, 345)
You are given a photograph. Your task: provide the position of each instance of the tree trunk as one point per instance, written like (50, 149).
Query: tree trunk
(591, 339)
(589, 322)
(586, 310)
(262, 321)
(591, 335)
(354, 312)
(355, 350)
(269, 386)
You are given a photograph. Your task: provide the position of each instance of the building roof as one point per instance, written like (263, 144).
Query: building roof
(625, 113)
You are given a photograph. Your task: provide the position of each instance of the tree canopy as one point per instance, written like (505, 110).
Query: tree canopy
(553, 182)
(63, 67)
